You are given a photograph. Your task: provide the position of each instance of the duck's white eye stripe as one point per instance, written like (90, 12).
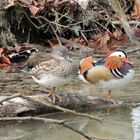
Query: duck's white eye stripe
(119, 54)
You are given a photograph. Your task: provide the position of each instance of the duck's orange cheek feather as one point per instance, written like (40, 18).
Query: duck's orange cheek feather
(113, 62)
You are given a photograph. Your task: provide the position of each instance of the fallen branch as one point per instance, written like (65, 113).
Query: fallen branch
(133, 50)
(131, 22)
(74, 112)
(46, 120)
(9, 5)
(48, 104)
(9, 97)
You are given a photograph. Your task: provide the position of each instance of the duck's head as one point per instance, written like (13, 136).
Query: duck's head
(61, 52)
(116, 59)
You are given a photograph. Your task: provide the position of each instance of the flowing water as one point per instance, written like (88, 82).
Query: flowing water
(119, 124)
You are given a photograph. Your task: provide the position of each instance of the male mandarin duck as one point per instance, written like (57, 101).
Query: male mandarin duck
(114, 71)
(58, 69)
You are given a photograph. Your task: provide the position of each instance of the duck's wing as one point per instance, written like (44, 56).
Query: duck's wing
(45, 67)
(100, 61)
(37, 58)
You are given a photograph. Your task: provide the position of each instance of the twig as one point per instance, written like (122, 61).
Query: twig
(9, 5)
(65, 109)
(84, 37)
(55, 23)
(47, 104)
(3, 119)
(116, 22)
(74, 112)
(56, 34)
(134, 50)
(52, 22)
(61, 2)
(9, 97)
(37, 27)
(103, 26)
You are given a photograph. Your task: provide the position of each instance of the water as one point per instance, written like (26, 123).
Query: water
(136, 123)
(120, 124)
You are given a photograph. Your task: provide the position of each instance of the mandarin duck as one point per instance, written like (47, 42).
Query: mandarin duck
(35, 59)
(114, 71)
(59, 69)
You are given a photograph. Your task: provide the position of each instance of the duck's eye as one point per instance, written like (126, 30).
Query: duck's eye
(120, 55)
(60, 52)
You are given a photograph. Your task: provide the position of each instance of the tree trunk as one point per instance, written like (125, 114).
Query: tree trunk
(6, 37)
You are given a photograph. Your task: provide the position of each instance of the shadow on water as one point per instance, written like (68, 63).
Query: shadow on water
(120, 124)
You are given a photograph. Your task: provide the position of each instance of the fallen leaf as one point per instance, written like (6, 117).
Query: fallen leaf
(1, 51)
(35, 3)
(118, 33)
(83, 3)
(26, 2)
(34, 10)
(136, 10)
(102, 40)
(10, 1)
(4, 61)
(136, 32)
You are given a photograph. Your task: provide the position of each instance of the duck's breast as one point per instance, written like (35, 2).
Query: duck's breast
(98, 73)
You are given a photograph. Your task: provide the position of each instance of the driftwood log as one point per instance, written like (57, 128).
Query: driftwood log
(18, 105)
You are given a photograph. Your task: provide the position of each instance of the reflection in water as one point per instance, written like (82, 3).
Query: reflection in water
(136, 122)
(117, 126)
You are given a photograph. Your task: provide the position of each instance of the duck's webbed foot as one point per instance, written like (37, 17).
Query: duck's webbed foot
(52, 97)
(110, 98)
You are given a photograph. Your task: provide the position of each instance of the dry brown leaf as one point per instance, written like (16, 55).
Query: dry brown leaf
(34, 10)
(136, 9)
(118, 34)
(10, 1)
(42, 3)
(83, 3)
(1, 51)
(47, 1)
(53, 42)
(35, 3)
(26, 2)
(136, 32)
(103, 39)
(80, 41)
